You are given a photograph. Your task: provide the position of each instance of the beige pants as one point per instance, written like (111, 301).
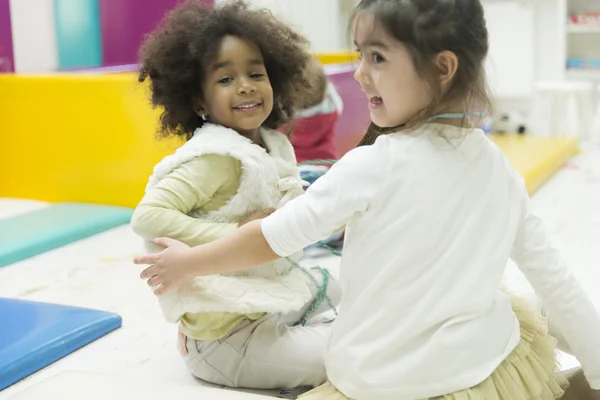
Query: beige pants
(271, 352)
(261, 354)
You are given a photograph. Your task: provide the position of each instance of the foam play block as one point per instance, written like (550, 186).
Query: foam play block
(7, 61)
(78, 36)
(71, 385)
(34, 335)
(536, 158)
(27, 235)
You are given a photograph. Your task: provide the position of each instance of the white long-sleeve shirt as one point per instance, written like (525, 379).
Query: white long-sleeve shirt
(432, 219)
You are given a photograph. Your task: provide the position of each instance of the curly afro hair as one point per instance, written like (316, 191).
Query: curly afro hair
(176, 55)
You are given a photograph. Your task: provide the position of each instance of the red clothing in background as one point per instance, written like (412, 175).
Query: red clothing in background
(313, 129)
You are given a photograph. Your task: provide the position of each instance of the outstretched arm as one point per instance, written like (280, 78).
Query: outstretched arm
(246, 247)
(347, 189)
(560, 291)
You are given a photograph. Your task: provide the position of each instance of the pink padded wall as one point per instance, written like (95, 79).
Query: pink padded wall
(125, 22)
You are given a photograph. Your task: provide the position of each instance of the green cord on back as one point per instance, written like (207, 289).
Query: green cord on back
(322, 288)
(324, 162)
(321, 291)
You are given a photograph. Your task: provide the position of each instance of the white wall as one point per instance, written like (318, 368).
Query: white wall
(34, 40)
(550, 48)
(323, 22)
(510, 63)
(318, 20)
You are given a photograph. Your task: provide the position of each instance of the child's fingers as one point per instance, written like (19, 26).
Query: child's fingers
(146, 259)
(166, 242)
(149, 272)
(154, 281)
(162, 289)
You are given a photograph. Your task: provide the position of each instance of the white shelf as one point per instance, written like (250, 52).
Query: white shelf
(583, 74)
(573, 28)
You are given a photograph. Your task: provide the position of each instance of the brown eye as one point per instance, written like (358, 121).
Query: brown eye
(377, 58)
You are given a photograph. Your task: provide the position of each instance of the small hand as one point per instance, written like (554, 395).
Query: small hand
(169, 267)
(257, 215)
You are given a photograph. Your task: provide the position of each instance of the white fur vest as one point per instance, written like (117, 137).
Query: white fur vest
(269, 180)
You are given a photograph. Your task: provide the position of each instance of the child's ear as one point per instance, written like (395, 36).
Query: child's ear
(200, 109)
(447, 64)
(198, 106)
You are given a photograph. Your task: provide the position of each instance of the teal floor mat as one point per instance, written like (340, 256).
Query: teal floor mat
(27, 235)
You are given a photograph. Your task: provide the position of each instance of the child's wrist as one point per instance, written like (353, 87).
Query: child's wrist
(192, 263)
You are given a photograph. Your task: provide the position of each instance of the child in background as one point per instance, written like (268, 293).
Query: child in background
(433, 211)
(226, 77)
(313, 128)
(313, 132)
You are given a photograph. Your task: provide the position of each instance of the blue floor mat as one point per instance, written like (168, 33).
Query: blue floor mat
(34, 335)
(36, 232)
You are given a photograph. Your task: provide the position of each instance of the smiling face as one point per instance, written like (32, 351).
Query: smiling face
(236, 88)
(387, 75)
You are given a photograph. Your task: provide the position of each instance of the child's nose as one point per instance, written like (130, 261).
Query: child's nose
(246, 88)
(360, 75)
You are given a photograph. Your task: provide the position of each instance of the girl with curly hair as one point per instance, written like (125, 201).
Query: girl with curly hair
(226, 78)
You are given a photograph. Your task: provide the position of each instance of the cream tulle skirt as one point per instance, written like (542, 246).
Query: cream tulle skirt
(530, 372)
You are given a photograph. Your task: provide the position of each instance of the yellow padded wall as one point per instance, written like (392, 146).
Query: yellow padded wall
(83, 138)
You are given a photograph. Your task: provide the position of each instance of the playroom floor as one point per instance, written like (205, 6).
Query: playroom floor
(96, 273)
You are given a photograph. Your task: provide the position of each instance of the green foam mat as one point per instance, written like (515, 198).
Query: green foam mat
(27, 235)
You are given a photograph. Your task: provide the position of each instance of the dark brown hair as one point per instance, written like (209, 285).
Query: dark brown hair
(426, 28)
(176, 55)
